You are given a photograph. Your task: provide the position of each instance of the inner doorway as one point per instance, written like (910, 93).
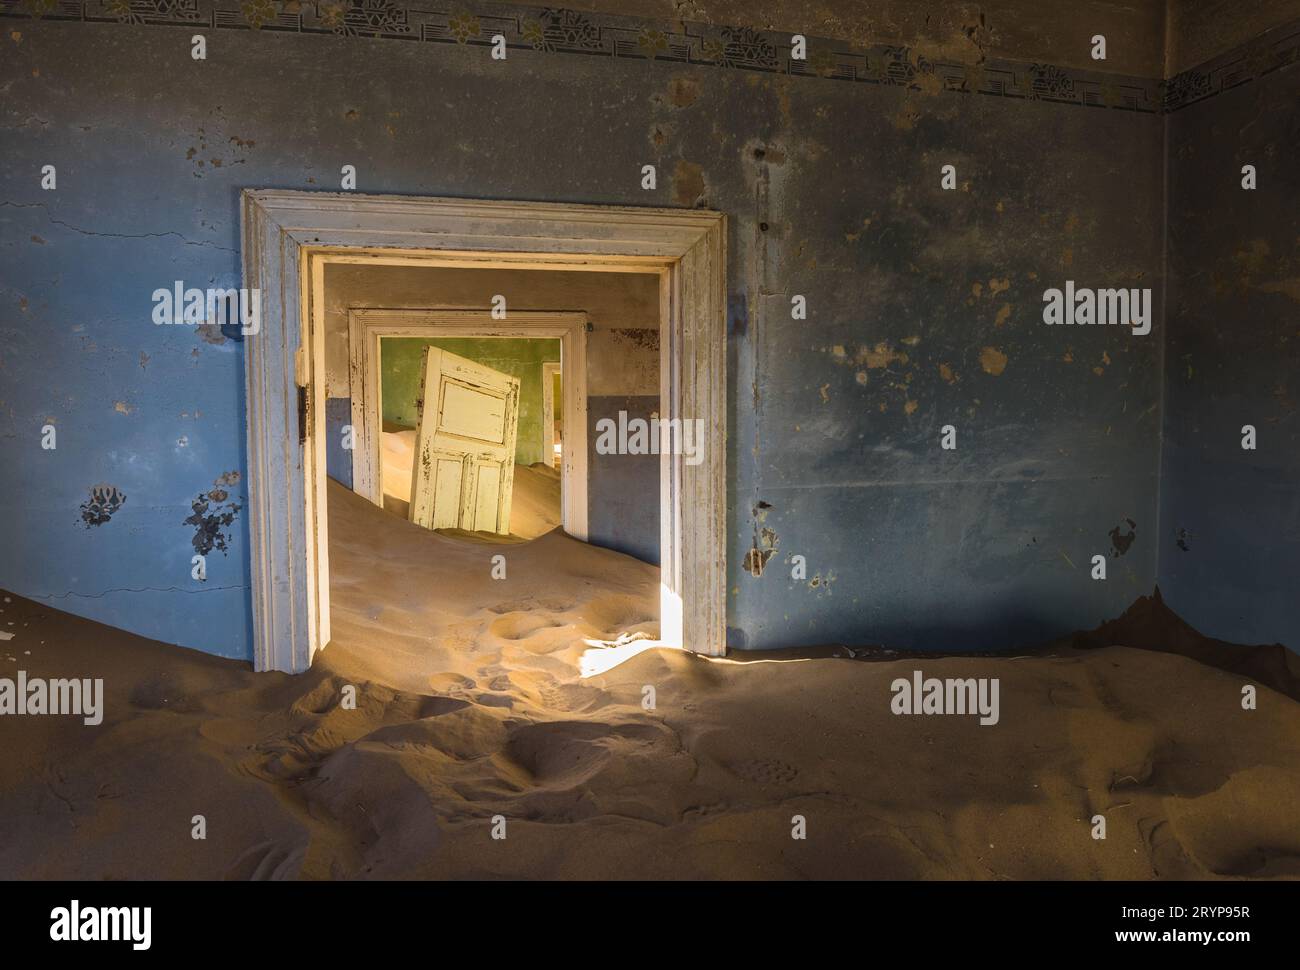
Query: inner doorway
(382, 415)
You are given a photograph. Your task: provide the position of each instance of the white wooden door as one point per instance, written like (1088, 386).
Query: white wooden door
(463, 469)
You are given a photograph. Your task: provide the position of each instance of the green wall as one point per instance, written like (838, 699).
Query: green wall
(521, 358)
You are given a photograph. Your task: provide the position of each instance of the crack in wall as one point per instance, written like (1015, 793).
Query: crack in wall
(115, 235)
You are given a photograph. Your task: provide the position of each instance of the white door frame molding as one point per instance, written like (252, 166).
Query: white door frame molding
(549, 370)
(288, 236)
(368, 325)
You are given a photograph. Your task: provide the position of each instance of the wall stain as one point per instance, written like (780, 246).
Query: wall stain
(822, 582)
(879, 357)
(737, 314)
(689, 187)
(1121, 541)
(211, 333)
(646, 338)
(683, 92)
(993, 361)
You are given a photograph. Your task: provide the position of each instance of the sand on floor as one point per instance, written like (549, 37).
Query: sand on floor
(470, 707)
(535, 508)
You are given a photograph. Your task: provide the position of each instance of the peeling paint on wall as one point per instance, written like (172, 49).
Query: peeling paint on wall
(104, 501)
(212, 515)
(765, 542)
(211, 333)
(756, 560)
(823, 583)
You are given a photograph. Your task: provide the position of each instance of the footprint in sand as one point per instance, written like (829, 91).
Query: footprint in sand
(268, 862)
(617, 613)
(562, 753)
(566, 753)
(704, 811)
(579, 698)
(447, 682)
(542, 689)
(521, 626)
(763, 772)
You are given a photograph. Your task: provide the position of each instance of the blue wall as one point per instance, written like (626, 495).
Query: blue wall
(622, 490)
(832, 188)
(1230, 518)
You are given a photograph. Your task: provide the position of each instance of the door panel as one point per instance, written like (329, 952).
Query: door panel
(487, 499)
(462, 475)
(471, 412)
(448, 472)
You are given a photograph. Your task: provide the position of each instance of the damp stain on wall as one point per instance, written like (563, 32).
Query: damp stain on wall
(689, 187)
(683, 92)
(993, 361)
(1120, 540)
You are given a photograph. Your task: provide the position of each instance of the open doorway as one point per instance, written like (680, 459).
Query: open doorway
(384, 348)
(290, 238)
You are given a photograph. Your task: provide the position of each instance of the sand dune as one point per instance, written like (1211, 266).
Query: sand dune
(472, 706)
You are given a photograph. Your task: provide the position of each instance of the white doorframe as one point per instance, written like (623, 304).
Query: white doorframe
(549, 370)
(368, 325)
(288, 235)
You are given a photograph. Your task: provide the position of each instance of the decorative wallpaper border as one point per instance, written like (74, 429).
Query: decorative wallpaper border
(1265, 54)
(559, 31)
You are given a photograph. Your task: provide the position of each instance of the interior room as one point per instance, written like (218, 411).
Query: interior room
(614, 316)
(852, 439)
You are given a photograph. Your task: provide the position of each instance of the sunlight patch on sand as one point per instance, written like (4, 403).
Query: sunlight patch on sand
(605, 655)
